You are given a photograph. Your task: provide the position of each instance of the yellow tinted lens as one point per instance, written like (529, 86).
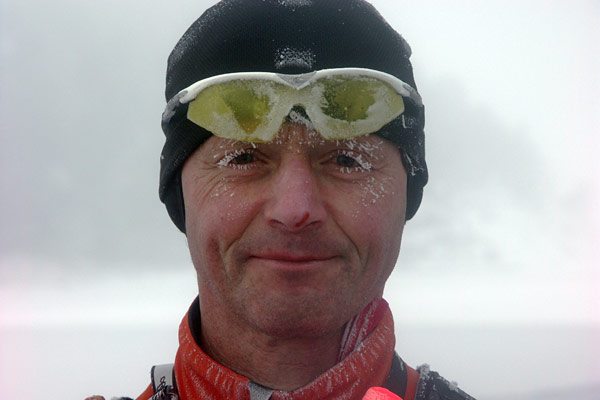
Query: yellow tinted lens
(248, 106)
(348, 99)
(226, 108)
(352, 106)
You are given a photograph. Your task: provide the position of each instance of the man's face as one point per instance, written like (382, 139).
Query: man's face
(296, 236)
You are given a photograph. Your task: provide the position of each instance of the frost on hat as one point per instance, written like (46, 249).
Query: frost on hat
(290, 37)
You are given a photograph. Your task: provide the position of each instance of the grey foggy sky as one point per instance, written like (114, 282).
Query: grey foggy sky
(82, 96)
(510, 92)
(85, 95)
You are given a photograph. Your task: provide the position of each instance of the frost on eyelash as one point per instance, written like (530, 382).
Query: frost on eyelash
(230, 155)
(364, 165)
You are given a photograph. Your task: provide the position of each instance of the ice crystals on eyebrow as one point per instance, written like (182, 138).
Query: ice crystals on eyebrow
(308, 138)
(371, 149)
(228, 146)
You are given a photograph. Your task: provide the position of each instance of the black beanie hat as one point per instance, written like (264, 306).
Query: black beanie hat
(289, 37)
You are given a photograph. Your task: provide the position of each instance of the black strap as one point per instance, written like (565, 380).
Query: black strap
(163, 382)
(397, 379)
(432, 386)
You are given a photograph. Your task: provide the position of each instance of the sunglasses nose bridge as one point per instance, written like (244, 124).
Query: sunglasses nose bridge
(299, 115)
(297, 81)
(298, 110)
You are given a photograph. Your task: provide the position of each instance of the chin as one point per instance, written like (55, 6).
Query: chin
(289, 319)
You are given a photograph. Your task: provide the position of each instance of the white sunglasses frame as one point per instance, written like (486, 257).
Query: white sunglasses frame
(297, 81)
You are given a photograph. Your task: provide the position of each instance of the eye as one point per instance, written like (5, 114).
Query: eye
(351, 161)
(244, 158)
(238, 158)
(346, 161)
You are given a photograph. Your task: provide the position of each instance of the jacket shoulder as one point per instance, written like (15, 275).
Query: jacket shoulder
(432, 386)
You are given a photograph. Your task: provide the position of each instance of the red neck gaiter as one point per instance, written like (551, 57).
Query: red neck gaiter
(366, 355)
(365, 358)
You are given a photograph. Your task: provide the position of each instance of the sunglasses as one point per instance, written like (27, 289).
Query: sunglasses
(341, 103)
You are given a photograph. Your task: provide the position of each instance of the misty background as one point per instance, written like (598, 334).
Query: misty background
(497, 284)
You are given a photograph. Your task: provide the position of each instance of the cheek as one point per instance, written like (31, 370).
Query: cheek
(214, 221)
(208, 202)
(217, 216)
(375, 220)
(379, 199)
(380, 223)
(224, 206)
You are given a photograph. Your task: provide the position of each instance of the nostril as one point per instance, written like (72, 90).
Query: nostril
(303, 220)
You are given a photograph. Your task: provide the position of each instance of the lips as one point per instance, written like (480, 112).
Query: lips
(292, 263)
(292, 275)
(309, 250)
(292, 257)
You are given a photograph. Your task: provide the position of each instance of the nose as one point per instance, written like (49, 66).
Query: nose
(295, 201)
